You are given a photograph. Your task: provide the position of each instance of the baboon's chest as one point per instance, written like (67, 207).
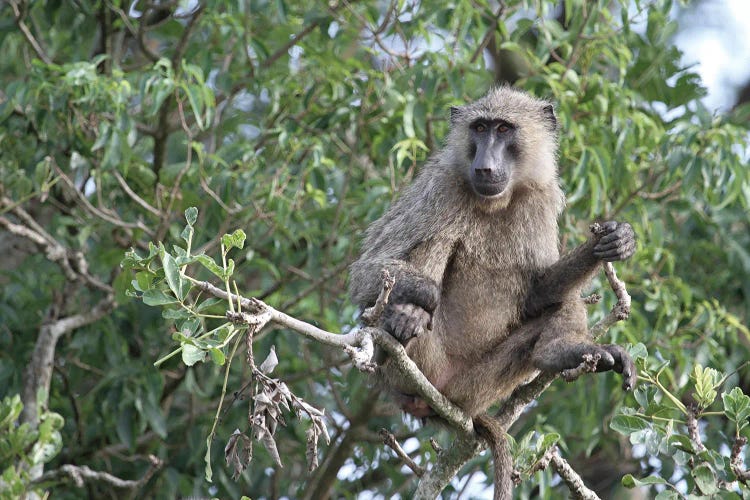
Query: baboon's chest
(485, 286)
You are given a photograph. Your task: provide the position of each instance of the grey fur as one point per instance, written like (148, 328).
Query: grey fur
(508, 305)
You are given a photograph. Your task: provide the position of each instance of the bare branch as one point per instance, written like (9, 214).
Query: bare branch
(620, 311)
(447, 465)
(182, 44)
(19, 18)
(692, 428)
(80, 474)
(357, 339)
(371, 315)
(434, 398)
(490, 33)
(38, 373)
(735, 460)
(73, 264)
(587, 366)
(86, 205)
(390, 440)
(140, 201)
(571, 478)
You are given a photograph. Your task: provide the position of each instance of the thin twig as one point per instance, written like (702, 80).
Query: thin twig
(35, 44)
(390, 440)
(140, 201)
(490, 32)
(86, 204)
(588, 365)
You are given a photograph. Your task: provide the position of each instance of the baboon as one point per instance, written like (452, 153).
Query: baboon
(482, 298)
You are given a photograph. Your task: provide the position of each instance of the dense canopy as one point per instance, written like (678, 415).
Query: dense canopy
(146, 146)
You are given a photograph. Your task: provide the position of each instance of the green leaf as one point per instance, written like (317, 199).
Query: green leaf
(172, 273)
(737, 407)
(217, 356)
(155, 297)
(629, 481)
(208, 303)
(638, 351)
(706, 379)
(234, 240)
(705, 479)
(210, 264)
(175, 314)
(191, 215)
(187, 233)
(628, 424)
(154, 416)
(192, 354)
(546, 441)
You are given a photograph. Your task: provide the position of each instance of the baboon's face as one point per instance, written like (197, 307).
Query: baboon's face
(494, 154)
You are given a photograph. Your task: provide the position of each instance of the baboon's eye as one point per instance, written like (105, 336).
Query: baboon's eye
(480, 127)
(502, 128)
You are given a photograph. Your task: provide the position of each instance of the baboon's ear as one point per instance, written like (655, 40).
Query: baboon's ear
(549, 114)
(455, 113)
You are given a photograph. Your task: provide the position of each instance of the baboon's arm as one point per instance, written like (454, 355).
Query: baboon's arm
(562, 279)
(567, 276)
(413, 241)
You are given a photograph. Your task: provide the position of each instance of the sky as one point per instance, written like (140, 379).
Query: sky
(716, 35)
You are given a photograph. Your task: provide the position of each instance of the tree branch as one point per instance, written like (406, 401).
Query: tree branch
(450, 461)
(467, 444)
(571, 478)
(390, 440)
(73, 264)
(735, 460)
(359, 339)
(27, 33)
(82, 473)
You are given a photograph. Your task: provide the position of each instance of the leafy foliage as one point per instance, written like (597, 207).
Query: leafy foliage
(278, 131)
(21, 446)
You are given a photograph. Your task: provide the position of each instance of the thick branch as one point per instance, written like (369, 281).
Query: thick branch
(735, 460)
(39, 372)
(357, 339)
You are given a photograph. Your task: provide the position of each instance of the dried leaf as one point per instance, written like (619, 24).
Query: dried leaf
(238, 453)
(321, 426)
(270, 362)
(265, 437)
(312, 448)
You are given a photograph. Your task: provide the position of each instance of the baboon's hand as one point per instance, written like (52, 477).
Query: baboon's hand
(616, 241)
(622, 363)
(610, 357)
(406, 321)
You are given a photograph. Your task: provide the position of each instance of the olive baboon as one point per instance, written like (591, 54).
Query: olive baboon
(482, 299)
